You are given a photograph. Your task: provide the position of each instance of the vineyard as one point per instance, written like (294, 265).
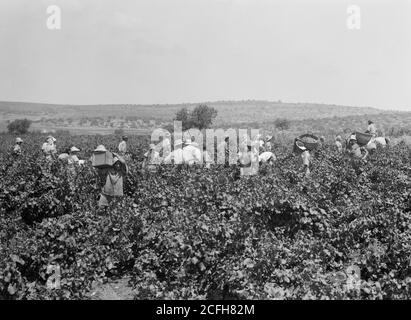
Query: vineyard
(197, 233)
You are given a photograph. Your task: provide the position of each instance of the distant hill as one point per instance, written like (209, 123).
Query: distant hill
(107, 118)
(237, 111)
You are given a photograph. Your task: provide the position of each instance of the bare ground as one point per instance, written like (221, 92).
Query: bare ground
(112, 290)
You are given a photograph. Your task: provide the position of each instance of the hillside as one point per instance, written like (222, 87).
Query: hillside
(106, 118)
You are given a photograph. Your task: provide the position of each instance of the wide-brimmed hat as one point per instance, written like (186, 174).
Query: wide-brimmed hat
(19, 140)
(124, 137)
(74, 149)
(101, 148)
(300, 145)
(268, 138)
(51, 138)
(338, 138)
(353, 137)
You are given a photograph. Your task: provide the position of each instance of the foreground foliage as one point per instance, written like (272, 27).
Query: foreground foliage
(190, 233)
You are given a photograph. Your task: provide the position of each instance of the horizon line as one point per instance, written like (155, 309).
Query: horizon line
(200, 102)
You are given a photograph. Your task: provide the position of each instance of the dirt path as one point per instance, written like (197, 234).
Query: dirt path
(113, 290)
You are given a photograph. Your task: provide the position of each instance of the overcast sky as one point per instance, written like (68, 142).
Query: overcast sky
(172, 51)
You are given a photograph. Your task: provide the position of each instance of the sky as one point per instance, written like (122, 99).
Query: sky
(175, 51)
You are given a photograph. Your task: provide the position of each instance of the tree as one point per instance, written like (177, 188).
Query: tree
(282, 124)
(20, 126)
(201, 117)
(184, 116)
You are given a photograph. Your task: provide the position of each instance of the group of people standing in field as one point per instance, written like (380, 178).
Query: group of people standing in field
(188, 152)
(259, 150)
(357, 151)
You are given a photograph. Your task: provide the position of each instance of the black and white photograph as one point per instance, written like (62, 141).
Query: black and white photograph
(230, 151)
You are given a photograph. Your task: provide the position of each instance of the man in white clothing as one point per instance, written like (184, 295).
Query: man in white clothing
(191, 153)
(175, 157)
(372, 129)
(122, 147)
(49, 147)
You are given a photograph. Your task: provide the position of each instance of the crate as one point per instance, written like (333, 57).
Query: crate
(102, 159)
(363, 138)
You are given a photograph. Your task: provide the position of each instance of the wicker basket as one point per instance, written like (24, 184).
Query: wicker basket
(308, 144)
(363, 138)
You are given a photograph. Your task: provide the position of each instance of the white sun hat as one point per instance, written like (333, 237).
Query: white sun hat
(101, 148)
(74, 149)
(19, 140)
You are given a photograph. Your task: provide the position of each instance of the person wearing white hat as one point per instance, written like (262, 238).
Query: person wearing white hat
(371, 129)
(73, 155)
(355, 151)
(305, 155)
(49, 147)
(111, 179)
(248, 158)
(191, 153)
(223, 151)
(338, 143)
(122, 147)
(151, 159)
(164, 146)
(267, 143)
(207, 158)
(17, 147)
(176, 156)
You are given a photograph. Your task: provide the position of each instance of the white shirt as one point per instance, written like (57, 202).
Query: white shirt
(305, 157)
(222, 146)
(372, 128)
(48, 148)
(191, 155)
(247, 157)
(381, 141)
(221, 151)
(266, 156)
(207, 159)
(339, 146)
(122, 147)
(17, 149)
(176, 155)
